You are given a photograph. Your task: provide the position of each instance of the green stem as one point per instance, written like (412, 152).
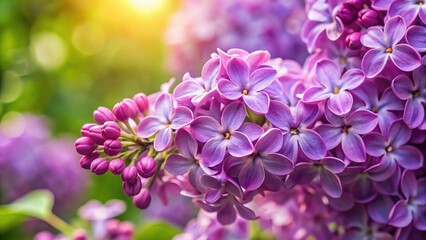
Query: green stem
(59, 224)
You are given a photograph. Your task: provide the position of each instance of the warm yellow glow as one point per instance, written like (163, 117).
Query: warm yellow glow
(148, 6)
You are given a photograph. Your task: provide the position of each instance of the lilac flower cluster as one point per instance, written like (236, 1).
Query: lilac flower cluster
(334, 145)
(202, 26)
(28, 152)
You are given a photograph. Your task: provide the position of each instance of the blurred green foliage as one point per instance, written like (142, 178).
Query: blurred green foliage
(64, 58)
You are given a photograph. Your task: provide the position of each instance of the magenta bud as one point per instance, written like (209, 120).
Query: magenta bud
(103, 114)
(112, 228)
(87, 160)
(353, 41)
(130, 174)
(354, 4)
(116, 166)
(85, 129)
(132, 188)
(368, 17)
(79, 234)
(84, 146)
(141, 101)
(99, 166)
(143, 199)
(125, 109)
(44, 235)
(347, 15)
(146, 167)
(95, 133)
(126, 228)
(112, 147)
(110, 130)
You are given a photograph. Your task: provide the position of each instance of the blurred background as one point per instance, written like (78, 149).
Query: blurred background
(64, 58)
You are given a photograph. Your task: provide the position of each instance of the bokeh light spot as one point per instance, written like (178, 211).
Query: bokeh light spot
(49, 50)
(11, 87)
(88, 38)
(14, 119)
(147, 6)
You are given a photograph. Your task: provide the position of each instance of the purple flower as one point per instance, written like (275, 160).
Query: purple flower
(187, 160)
(385, 45)
(335, 88)
(411, 207)
(416, 36)
(392, 150)
(264, 159)
(326, 169)
(346, 131)
(247, 85)
(167, 120)
(408, 10)
(222, 137)
(296, 133)
(414, 93)
(218, 186)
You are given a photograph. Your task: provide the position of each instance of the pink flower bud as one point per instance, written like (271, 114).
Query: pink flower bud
(353, 41)
(116, 166)
(99, 166)
(85, 129)
(125, 109)
(368, 17)
(143, 199)
(87, 160)
(79, 234)
(141, 101)
(347, 14)
(126, 229)
(112, 147)
(84, 146)
(112, 227)
(103, 114)
(146, 167)
(95, 133)
(110, 130)
(130, 174)
(132, 188)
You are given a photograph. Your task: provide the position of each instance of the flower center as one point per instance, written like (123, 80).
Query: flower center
(227, 135)
(245, 92)
(415, 93)
(389, 149)
(342, 60)
(294, 131)
(375, 110)
(197, 162)
(336, 90)
(345, 129)
(420, 2)
(388, 50)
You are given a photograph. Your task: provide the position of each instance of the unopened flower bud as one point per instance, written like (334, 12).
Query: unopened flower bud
(354, 4)
(141, 101)
(87, 160)
(85, 129)
(44, 235)
(132, 188)
(353, 41)
(112, 147)
(368, 17)
(103, 114)
(95, 134)
(110, 130)
(116, 166)
(112, 228)
(126, 229)
(79, 234)
(143, 199)
(347, 15)
(125, 109)
(146, 167)
(84, 146)
(99, 166)
(130, 174)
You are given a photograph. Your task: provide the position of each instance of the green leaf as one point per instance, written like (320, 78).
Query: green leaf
(157, 231)
(37, 204)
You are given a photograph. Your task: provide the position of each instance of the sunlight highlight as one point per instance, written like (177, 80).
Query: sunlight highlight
(148, 6)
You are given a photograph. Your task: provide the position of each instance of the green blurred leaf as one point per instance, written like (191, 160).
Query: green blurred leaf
(37, 204)
(157, 231)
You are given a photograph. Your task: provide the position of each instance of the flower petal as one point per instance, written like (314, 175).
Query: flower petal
(408, 184)
(239, 145)
(409, 157)
(163, 139)
(353, 147)
(213, 195)
(400, 215)
(402, 86)
(416, 36)
(178, 165)
(380, 208)
(331, 135)
(226, 214)
(374, 38)
(373, 62)
(398, 133)
(328, 73)
(394, 30)
(229, 90)
(258, 102)
(279, 115)
(186, 143)
(383, 170)
(210, 72)
(375, 144)
(363, 190)
(233, 116)
(149, 126)
(252, 175)
(312, 144)
(238, 72)
(213, 152)
(245, 212)
(363, 121)
(330, 183)
(352, 79)
(186, 90)
(182, 116)
(315, 95)
(303, 173)
(401, 11)
(290, 146)
(405, 57)
(414, 113)
(270, 142)
(340, 103)
(276, 164)
(164, 106)
(261, 78)
(205, 128)
(335, 165)
(251, 130)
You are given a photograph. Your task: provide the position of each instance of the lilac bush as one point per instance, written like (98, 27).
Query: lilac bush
(334, 148)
